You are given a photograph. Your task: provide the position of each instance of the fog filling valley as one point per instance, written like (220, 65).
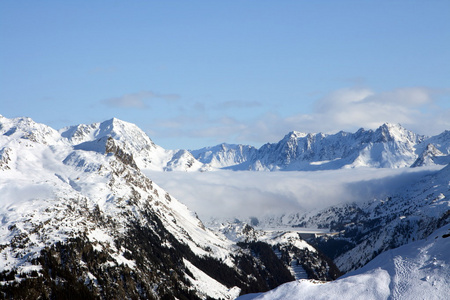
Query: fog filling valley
(228, 194)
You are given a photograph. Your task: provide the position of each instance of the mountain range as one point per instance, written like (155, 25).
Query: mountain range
(81, 219)
(389, 146)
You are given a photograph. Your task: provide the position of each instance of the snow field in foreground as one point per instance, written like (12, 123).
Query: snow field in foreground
(419, 270)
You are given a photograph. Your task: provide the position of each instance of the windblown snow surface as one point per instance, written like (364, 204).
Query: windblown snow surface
(419, 270)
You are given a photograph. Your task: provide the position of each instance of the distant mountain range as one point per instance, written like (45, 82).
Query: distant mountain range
(389, 146)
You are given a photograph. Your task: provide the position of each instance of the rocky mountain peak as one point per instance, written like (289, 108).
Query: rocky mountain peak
(24, 128)
(387, 132)
(115, 128)
(430, 156)
(293, 135)
(395, 132)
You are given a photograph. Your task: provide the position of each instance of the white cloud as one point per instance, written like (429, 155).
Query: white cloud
(237, 104)
(346, 109)
(352, 108)
(137, 100)
(342, 98)
(411, 97)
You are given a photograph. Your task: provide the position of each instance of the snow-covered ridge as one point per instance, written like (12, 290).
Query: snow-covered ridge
(389, 146)
(26, 129)
(224, 155)
(420, 270)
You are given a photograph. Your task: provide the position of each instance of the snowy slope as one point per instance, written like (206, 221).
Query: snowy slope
(419, 270)
(225, 155)
(413, 214)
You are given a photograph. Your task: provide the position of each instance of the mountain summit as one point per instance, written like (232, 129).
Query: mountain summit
(132, 139)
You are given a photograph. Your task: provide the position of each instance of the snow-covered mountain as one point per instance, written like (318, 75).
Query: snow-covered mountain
(73, 219)
(434, 151)
(431, 156)
(225, 155)
(133, 140)
(419, 270)
(389, 146)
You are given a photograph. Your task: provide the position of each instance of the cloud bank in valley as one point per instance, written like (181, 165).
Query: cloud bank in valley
(229, 194)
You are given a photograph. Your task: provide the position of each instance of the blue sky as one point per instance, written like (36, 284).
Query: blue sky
(197, 73)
